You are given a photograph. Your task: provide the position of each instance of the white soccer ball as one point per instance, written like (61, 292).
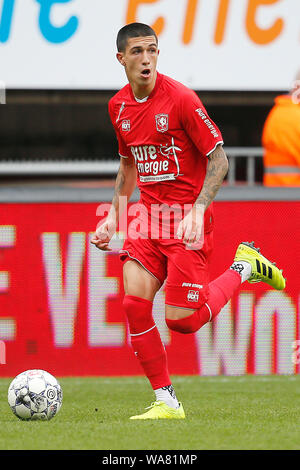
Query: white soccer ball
(35, 395)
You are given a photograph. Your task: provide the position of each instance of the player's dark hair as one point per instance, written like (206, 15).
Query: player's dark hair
(133, 30)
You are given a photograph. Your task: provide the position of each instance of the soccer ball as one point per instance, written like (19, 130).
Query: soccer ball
(35, 395)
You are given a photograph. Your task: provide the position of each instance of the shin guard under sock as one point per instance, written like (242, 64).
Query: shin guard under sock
(220, 291)
(146, 341)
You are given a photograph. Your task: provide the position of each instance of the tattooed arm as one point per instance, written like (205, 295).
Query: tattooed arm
(124, 187)
(190, 228)
(216, 171)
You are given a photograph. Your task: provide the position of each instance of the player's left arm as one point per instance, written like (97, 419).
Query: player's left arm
(216, 171)
(190, 228)
(207, 138)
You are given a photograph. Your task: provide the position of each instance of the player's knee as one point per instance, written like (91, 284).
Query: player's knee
(179, 320)
(185, 325)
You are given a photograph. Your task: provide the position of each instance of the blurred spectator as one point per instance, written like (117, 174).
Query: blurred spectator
(281, 140)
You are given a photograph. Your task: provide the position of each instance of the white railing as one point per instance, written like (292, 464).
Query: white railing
(248, 153)
(60, 168)
(109, 168)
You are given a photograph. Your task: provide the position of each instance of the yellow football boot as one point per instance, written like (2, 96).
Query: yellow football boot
(159, 410)
(263, 270)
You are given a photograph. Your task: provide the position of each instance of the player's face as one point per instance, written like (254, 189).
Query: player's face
(140, 60)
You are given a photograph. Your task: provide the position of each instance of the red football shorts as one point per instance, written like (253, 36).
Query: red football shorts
(184, 270)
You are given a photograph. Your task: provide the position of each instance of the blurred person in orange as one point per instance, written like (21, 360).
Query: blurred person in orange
(281, 140)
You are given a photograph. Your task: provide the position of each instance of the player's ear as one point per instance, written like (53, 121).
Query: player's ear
(120, 58)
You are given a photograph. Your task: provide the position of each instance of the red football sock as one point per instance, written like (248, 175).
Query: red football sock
(146, 341)
(220, 291)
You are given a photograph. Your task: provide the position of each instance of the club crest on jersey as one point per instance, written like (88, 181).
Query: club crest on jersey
(162, 122)
(193, 296)
(126, 125)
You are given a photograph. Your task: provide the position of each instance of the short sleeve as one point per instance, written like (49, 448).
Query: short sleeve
(203, 132)
(122, 147)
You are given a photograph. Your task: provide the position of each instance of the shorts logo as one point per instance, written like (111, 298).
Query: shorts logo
(126, 125)
(193, 296)
(162, 122)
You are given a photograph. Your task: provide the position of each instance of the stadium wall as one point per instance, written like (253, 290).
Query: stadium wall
(61, 298)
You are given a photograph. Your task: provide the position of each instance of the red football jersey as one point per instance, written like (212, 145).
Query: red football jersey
(170, 136)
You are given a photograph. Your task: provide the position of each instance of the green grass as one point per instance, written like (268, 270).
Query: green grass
(221, 413)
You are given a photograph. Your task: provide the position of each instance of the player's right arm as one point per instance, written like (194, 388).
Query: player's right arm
(124, 187)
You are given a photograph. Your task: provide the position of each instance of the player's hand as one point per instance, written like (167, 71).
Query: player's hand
(103, 234)
(190, 227)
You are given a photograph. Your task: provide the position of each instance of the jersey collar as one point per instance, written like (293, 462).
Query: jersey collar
(158, 81)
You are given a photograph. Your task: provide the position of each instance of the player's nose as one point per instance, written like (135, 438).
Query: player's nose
(145, 58)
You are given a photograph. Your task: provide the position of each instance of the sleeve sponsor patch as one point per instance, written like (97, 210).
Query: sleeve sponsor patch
(208, 122)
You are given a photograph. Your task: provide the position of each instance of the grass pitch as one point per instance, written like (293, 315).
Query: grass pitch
(222, 413)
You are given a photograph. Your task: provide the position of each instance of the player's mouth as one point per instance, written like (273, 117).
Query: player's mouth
(146, 73)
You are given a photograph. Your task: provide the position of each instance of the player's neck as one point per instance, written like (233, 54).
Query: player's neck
(141, 92)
